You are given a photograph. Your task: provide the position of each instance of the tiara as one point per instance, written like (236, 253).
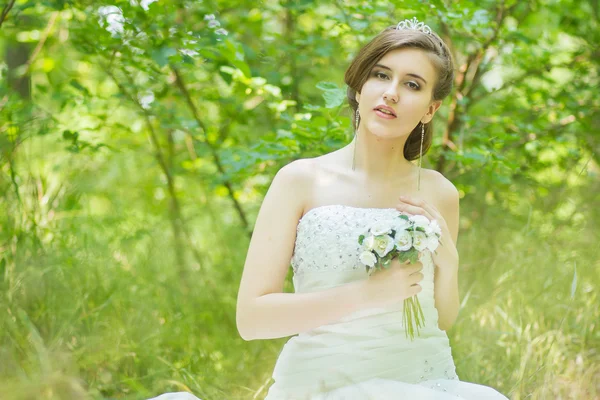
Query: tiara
(413, 24)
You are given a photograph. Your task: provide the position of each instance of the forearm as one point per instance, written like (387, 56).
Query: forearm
(447, 301)
(277, 315)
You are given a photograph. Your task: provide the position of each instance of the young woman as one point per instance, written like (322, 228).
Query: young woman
(349, 340)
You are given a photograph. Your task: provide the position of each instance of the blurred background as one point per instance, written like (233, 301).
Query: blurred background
(138, 138)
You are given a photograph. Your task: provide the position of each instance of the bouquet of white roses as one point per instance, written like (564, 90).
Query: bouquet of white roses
(404, 238)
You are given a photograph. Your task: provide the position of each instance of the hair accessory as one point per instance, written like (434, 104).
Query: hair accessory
(413, 24)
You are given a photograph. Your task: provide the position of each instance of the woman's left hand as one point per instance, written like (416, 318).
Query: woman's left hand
(446, 255)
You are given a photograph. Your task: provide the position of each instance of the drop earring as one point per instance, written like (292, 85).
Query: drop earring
(355, 137)
(421, 155)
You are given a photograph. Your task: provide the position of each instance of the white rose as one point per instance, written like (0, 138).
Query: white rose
(401, 224)
(369, 242)
(368, 258)
(383, 245)
(403, 240)
(419, 240)
(380, 229)
(420, 221)
(435, 228)
(432, 242)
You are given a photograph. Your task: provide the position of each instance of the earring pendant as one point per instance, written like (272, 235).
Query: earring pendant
(421, 155)
(356, 120)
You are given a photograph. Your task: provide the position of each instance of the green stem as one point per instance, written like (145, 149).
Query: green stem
(412, 317)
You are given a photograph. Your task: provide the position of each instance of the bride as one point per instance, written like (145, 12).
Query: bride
(348, 340)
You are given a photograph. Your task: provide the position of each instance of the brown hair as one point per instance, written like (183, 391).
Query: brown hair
(391, 39)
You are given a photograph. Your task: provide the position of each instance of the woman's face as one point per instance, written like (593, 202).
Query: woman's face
(405, 77)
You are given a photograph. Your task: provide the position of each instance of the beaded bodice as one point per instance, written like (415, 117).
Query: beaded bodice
(326, 252)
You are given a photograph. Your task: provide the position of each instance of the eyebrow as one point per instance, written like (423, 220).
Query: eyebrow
(389, 69)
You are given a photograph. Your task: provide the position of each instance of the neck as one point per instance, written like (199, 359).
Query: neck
(381, 160)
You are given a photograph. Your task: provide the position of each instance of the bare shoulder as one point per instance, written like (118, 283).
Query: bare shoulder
(296, 179)
(445, 187)
(299, 170)
(447, 199)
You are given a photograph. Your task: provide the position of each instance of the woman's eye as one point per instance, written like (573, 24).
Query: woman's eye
(411, 84)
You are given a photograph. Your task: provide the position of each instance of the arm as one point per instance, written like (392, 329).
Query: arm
(446, 276)
(263, 311)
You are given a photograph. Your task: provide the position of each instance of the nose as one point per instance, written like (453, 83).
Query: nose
(390, 95)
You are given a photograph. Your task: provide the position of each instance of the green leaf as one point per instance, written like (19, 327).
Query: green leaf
(79, 86)
(70, 135)
(333, 95)
(403, 256)
(439, 5)
(469, 155)
(412, 254)
(359, 24)
(161, 55)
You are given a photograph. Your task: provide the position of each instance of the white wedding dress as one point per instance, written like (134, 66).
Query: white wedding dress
(365, 355)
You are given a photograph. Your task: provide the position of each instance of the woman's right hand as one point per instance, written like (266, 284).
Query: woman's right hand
(393, 284)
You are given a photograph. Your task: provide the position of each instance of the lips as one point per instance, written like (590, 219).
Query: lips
(386, 108)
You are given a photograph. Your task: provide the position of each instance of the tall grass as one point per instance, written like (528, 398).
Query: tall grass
(93, 306)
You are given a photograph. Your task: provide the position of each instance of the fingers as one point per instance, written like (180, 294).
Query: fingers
(412, 210)
(415, 278)
(414, 289)
(418, 206)
(412, 268)
(419, 203)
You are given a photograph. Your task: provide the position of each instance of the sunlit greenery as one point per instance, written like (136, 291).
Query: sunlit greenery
(138, 138)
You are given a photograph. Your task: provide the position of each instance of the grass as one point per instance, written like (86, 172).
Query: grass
(93, 306)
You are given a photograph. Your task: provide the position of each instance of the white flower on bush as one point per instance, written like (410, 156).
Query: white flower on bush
(113, 17)
(420, 240)
(403, 240)
(368, 258)
(383, 245)
(380, 228)
(145, 99)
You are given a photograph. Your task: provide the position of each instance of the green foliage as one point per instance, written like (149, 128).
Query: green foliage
(411, 255)
(137, 141)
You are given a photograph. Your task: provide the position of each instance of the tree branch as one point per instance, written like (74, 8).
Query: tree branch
(41, 43)
(177, 220)
(217, 160)
(5, 11)
(517, 80)
(472, 66)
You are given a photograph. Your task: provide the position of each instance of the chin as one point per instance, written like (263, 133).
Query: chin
(385, 133)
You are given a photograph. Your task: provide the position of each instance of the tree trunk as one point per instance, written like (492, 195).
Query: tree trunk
(17, 55)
